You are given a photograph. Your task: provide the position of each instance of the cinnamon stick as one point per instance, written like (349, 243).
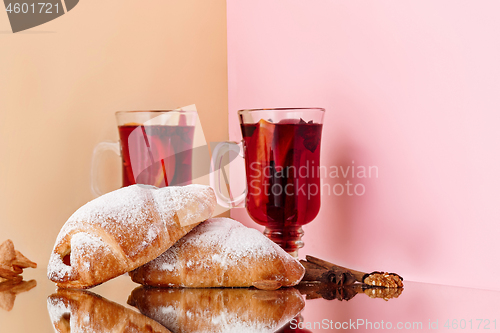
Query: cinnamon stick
(310, 265)
(381, 279)
(310, 289)
(329, 291)
(313, 274)
(313, 271)
(335, 275)
(328, 265)
(341, 277)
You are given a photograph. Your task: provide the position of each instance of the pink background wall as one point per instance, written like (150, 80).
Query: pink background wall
(411, 87)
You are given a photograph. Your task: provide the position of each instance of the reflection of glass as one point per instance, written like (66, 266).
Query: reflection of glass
(156, 148)
(218, 310)
(282, 161)
(82, 311)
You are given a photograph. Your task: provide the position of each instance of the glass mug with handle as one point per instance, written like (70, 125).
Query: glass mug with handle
(155, 148)
(281, 149)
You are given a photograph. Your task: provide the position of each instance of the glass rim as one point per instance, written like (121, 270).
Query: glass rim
(154, 111)
(282, 109)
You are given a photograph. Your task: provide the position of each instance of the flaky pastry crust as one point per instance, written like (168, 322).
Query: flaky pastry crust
(123, 230)
(218, 310)
(82, 311)
(220, 252)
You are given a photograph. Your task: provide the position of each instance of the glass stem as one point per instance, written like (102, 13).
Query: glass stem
(288, 238)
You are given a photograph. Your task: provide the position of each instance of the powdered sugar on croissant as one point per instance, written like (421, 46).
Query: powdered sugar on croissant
(124, 229)
(218, 310)
(80, 311)
(220, 252)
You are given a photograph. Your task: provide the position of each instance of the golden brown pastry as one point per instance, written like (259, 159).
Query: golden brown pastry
(123, 230)
(82, 311)
(218, 310)
(220, 252)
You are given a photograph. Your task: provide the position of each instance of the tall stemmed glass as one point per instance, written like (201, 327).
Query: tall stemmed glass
(282, 159)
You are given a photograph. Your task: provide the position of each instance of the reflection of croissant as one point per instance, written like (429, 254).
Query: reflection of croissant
(123, 230)
(220, 252)
(218, 310)
(82, 311)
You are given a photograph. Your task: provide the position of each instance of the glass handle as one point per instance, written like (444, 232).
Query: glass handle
(96, 158)
(216, 168)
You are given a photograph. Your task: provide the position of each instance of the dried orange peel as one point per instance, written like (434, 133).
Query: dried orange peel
(262, 140)
(12, 262)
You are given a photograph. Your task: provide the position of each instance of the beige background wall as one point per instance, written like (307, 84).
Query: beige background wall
(60, 84)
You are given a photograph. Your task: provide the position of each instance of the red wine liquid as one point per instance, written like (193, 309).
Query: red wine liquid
(156, 155)
(282, 168)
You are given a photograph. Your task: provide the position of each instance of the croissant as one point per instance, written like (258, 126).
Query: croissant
(215, 310)
(82, 311)
(220, 252)
(123, 230)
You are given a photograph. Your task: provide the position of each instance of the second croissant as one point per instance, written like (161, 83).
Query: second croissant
(220, 252)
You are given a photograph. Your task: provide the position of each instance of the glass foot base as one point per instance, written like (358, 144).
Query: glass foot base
(289, 239)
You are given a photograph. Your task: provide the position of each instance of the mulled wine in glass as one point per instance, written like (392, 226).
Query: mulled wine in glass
(281, 148)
